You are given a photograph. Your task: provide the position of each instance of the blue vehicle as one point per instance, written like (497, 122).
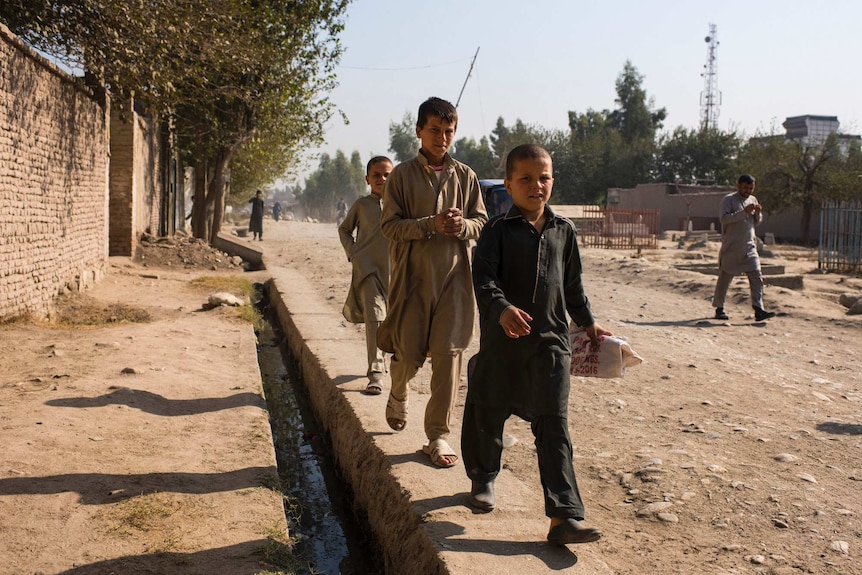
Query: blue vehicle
(497, 199)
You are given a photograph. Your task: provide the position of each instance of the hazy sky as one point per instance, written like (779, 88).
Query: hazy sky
(539, 59)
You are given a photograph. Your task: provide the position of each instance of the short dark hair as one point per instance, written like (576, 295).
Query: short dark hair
(745, 179)
(524, 152)
(436, 107)
(375, 160)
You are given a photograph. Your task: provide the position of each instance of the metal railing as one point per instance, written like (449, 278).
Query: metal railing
(840, 247)
(618, 229)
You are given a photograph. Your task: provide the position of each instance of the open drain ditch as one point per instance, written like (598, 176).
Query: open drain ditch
(318, 503)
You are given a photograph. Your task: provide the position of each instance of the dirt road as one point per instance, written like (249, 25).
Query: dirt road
(735, 448)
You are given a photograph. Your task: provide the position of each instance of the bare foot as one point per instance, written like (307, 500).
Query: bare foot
(396, 424)
(447, 460)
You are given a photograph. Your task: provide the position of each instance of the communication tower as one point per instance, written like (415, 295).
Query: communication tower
(710, 98)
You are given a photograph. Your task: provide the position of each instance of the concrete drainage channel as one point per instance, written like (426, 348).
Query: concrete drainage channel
(317, 339)
(320, 512)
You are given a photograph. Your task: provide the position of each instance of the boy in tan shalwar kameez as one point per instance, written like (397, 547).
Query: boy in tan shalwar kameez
(432, 207)
(368, 251)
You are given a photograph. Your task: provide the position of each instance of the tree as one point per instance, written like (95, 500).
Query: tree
(334, 178)
(478, 156)
(277, 73)
(791, 173)
(634, 117)
(505, 138)
(403, 142)
(614, 148)
(593, 148)
(224, 69)
(690, 156)
(130, 47)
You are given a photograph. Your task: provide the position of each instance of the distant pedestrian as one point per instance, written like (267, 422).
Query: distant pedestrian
(739, 213)
(527, 279)
(340, 211)
(368, 251)
(255, 224)
(276, 211)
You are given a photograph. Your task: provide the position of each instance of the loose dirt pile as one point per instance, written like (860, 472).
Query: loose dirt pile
(183, 252)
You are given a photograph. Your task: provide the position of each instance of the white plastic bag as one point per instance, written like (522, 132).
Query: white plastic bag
(608, 360)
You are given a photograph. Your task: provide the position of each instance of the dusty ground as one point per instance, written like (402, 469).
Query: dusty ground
(137, 447)
(736, 447)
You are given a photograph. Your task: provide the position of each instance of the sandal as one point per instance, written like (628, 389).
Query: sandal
(439, 451)
(373, 388)
(396, 413)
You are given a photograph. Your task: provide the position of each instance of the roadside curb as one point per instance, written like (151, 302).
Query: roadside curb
(326, 356)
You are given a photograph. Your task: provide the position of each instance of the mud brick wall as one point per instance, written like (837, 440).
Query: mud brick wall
(53, 182)
(136, 191)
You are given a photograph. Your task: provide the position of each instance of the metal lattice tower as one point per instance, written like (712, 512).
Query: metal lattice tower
(710, 98)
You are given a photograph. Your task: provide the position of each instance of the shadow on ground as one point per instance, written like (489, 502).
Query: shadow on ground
(101, 488)
(160, 405)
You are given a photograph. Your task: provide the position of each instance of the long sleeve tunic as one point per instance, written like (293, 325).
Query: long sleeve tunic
(368, 252)
(431, 304)
(539, 273)
(255, 223)
(738, 253)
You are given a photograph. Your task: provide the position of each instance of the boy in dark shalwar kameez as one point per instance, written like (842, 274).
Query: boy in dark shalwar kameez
(527, 276)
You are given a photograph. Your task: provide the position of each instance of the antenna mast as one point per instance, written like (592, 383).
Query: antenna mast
(710, 98)
(469, 72)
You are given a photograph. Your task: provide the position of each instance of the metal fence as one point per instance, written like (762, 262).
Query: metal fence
(840, 247)
(618, 229)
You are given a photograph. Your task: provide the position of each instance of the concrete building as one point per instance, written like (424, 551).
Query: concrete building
(813, 130)
(687, 207)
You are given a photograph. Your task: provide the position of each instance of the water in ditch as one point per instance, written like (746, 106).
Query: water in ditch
(319, 506)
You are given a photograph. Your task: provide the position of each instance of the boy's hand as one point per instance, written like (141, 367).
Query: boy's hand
(514, 322)
(594, 332)
(449, 222)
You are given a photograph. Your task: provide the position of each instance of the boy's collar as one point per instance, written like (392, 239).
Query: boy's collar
(424, 159)
(515, 212)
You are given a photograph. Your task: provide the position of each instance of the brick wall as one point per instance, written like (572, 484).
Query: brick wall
(53, 182)
(136, 190)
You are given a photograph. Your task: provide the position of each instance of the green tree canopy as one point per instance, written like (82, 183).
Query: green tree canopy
(791, 173)
(634, 116)
(226, 70)
(477, 155)
(614, 148)
(403, 143)
(334, 178)
(690, 156)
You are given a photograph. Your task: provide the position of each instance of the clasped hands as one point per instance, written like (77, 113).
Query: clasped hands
(753, 209)
(449, 222)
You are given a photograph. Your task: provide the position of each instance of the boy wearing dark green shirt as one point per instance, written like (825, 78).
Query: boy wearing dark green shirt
(527, 278)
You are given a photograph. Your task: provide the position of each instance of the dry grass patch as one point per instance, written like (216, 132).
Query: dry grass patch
(81, 310)
(280, 552)
(240, 287)
(150, 518)
(236, 285)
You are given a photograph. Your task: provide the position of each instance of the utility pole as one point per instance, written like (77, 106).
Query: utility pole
(469, 72)
(710, 98)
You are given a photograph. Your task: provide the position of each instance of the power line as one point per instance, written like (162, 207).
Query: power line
(373, 68)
